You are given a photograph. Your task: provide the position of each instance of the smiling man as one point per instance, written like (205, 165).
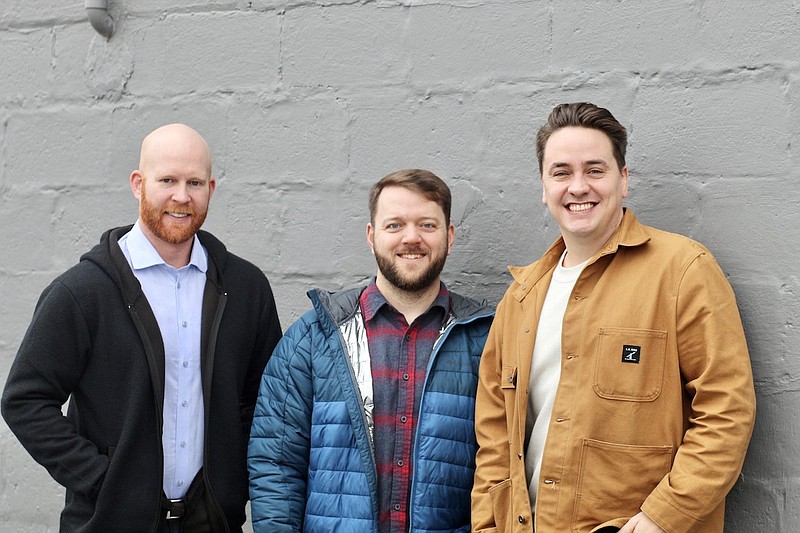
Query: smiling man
(615, 390)
(158, 338)
(364, 420)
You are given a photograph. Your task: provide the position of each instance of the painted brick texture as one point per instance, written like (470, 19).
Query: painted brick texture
(307, 102)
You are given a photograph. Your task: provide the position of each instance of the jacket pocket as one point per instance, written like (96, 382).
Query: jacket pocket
(630, 364)
(500, 495)
(614, 480)
(509, 379)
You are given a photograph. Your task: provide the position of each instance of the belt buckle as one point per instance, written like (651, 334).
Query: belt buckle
(176, 509)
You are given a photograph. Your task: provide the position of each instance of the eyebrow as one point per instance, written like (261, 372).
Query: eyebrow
(590, 162)
(558, 164)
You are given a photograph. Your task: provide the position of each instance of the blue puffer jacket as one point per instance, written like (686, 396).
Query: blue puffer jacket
(310, 457)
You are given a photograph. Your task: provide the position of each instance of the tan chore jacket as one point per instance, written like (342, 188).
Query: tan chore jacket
(655, 405)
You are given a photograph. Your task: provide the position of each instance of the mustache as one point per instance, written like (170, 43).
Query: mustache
(412, 251)
(180, 210)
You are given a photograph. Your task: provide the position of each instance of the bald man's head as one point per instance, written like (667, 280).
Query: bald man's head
(173, 185)
(175, 141)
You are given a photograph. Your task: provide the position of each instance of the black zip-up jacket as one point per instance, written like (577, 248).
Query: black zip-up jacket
(95, 341)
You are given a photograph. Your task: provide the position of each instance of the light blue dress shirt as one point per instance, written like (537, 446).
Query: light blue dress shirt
(176, 297)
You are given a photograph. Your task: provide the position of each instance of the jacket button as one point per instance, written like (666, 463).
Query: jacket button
(521, 519)
(519, 455)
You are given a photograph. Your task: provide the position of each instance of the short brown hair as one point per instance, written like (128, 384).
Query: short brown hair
(584, 115)
(424, 182)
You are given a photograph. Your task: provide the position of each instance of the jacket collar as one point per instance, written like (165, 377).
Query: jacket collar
(629, 233)
(340, 306)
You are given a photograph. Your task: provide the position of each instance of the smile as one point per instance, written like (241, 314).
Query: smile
(177, 214)
(580, 207)
(412, 256)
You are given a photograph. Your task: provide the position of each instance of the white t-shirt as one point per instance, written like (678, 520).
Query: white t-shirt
(546, 369)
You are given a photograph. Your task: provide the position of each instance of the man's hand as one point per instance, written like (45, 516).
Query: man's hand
(641, 523)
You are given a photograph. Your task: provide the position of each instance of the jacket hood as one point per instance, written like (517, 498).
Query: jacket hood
(108, 256)
(343, 304)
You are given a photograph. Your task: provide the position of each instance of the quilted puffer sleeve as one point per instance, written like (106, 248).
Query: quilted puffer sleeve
(278, 452)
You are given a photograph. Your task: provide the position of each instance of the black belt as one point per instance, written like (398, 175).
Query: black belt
(175, 508)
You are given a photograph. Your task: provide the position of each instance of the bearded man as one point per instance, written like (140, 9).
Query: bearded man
(364, 420)
(158, 337)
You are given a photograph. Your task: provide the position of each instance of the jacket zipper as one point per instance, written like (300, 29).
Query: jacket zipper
(159, 402)
(212, 343)
(434, 353)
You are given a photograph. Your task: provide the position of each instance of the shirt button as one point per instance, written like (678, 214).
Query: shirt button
(405, 377)
(400, 462)
(180, 483)
(184, 403)
(403, 419)
(178, 285)
(408, 338)
(397, 507)
(183, 323)
(183, 444)
(186, 364)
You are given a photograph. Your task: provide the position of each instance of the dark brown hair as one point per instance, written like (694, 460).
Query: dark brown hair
(584, 115)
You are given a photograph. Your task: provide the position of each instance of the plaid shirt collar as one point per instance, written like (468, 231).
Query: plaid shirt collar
(372, 301)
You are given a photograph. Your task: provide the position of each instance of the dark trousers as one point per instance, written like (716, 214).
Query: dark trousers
(200, 515)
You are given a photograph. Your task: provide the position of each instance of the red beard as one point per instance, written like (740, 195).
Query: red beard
(152, 216)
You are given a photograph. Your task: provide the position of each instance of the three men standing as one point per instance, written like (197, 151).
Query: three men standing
(364, 420)
(615, 392)
(158, 338)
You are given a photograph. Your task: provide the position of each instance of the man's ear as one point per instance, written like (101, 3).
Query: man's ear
(371, 238)
(624, 181)
(136, 184)
(451, 237)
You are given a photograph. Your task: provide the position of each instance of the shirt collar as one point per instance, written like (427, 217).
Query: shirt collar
(373, 301)
(143, 254)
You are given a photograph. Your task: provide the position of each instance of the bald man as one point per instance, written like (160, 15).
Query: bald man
(158, 337)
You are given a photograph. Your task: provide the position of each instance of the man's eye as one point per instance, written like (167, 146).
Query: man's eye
(428, 225)
(393, 225)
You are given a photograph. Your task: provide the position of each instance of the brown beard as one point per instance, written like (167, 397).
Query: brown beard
(152, 217)
(424, 280)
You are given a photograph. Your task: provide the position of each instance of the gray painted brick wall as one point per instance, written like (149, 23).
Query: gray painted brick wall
(306, 103)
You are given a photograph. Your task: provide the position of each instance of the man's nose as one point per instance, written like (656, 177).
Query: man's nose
(579, 184)
(411, 233)
(180, 193)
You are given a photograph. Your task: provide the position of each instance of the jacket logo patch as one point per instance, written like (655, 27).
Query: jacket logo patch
(631, 354)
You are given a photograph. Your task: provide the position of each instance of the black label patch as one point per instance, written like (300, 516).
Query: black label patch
(631, 354)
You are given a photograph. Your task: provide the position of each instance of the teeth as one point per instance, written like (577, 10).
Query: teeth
(411, 256)
(179, 215)
(580, 207)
